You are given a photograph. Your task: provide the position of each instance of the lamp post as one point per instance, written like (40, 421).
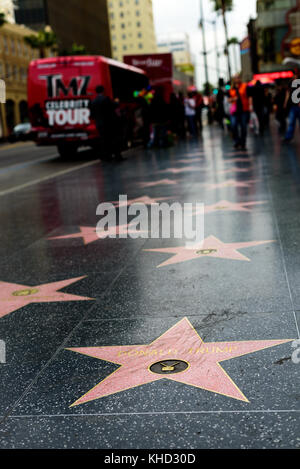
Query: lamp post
(204, 46)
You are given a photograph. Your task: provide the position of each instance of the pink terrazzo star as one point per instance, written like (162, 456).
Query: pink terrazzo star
(235, 170)
(190, 160)
(162, 182)
(14, 296)
(182, 170)
(225, 205)
(211, 247)
(239, 160)
(179, 355)
(237, 152)
(140, 200)
(90, 234)
(231, 183)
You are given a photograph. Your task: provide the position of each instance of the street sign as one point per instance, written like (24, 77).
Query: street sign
(295, 46)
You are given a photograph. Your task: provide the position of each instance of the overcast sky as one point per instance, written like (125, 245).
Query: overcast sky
(183, 16)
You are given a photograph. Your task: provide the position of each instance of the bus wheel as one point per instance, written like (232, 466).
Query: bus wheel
(66, 151)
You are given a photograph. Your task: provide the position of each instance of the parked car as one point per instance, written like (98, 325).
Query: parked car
(21, 132)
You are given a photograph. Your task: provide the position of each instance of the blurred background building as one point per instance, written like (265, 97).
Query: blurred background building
(272, 26)
(131, 27)
(84, 22)
(272, 36)
(15, 56)
(178, 45)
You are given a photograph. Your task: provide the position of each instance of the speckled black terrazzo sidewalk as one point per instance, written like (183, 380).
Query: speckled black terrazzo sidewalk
(77, 310)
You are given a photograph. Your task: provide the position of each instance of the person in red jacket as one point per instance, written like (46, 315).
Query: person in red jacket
(240, 108)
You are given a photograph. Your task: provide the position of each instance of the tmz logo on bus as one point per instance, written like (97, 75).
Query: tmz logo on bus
(67, 111)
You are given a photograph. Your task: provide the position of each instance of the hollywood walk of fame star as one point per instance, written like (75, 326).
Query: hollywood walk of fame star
(225, 205)
(180, 345)
(197, 153)
(239, 160)
(211, 247)
(145, 200)
(162, 182)
(235, 170)
(231, 183)
(237, 152)
(190, 160)
(89, 234)
(14, 296)
(182, 170)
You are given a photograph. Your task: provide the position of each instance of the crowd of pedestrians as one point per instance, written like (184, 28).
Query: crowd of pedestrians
(245, 105)
(159, 122)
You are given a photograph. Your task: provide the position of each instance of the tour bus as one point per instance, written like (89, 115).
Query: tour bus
(60, 90)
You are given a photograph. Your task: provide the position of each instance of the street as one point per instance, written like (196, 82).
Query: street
(130, 343)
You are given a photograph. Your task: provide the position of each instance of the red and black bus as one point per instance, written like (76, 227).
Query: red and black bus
(60, 90)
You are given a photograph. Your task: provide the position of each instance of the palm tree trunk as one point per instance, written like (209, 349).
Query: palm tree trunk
(226, 38)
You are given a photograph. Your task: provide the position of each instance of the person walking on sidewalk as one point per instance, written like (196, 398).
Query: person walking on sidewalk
(279, 107)
(241, 106)
(103, 112)
(190, 114)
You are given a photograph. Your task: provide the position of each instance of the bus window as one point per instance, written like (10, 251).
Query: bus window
(125, 82)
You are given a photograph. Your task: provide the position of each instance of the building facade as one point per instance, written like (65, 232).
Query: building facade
(84, 22)
(15, 56)
(245, 48)
(7, 7)
(178, 46)
(131, 27)
(272, 28)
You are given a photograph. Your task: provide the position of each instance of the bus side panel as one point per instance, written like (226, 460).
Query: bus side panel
(59, 97)
(105, 79)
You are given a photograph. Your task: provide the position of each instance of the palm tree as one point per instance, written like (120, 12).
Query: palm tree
(44, 39)
(233, 41)
(76, 49)
(2, 19)
(222, 6)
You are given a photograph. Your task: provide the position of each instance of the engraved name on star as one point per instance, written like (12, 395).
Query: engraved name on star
(181, 343)
(90, 234)
(211, 247)
(14, 296)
